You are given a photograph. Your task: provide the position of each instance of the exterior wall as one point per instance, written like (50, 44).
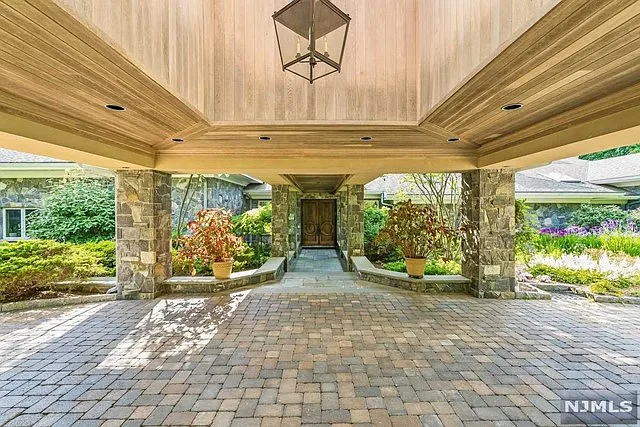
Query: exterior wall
(143, 232)
(22, 193)
(488, 247)
(552, 214)
(295, 224)
(207, 193)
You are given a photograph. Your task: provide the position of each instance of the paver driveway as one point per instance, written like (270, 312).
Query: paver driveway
(312, 350)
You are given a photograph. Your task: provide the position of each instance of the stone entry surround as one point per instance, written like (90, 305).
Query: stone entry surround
(314, 349)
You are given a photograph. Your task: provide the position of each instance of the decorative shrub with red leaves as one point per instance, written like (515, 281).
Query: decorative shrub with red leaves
(210, 238)
(416, 230)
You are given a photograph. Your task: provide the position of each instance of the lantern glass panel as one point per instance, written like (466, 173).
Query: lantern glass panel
(330, 45)
(292, 45)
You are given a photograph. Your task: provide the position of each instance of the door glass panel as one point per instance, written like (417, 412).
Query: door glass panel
(13, 226)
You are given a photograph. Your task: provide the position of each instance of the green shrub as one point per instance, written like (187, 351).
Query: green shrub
(567, 275)
(525, 232)
(606, 287)
(377, 249)
(31, 266)
(593, 215)
(432, 268)
(248, 258)
(256, 222)
(78, 210)
(105, 252)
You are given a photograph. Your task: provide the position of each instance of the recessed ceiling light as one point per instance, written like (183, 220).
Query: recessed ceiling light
(453, 139)
(177, 139)
(366, 138)
(114, 107)
(264, 138)
(512, 107)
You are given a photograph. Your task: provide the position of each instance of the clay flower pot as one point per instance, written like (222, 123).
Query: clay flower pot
(222, 270)
(415, 267)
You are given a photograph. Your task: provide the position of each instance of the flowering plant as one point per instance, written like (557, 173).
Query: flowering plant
(416, 230)
(210, 238)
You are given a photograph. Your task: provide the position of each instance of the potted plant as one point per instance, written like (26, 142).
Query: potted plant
(212, 242)
(418, 232)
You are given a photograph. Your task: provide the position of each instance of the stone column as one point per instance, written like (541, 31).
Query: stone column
(343, 223)
(143, 232)
(488, 247)
(355, 220)
(280, 221)
(294, 221)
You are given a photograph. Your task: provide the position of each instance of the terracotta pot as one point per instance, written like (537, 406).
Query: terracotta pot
(415, 267)
(222, 270)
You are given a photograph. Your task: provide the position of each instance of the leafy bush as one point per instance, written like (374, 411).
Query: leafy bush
(525, 232)
(78, 210)
(31, 266)
(256, 222)
(416, 230)
(378, 249)
(247, 258)
(105, 252)
(211, 239)
(594, 215)
(432, 268)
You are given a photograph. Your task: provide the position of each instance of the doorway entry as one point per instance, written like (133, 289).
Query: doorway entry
(318, 223)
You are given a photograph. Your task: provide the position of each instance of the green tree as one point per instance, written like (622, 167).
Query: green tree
(78, 210)
(594, 215)
(614, 152)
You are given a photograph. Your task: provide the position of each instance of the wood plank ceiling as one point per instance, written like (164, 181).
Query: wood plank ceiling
(317, 183)
(580, 62)
(57, 72)
(207, 71)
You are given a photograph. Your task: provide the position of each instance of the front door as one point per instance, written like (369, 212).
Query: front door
(319, 223)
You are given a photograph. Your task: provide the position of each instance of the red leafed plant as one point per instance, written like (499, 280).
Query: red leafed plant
(416, 230)
(211, 238)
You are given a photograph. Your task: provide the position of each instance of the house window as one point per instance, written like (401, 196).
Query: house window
(262, 203)
(14, 223)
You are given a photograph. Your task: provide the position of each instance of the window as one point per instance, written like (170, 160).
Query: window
(262, 203)
(14, 223)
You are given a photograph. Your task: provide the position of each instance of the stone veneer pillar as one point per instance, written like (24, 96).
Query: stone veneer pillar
(488, 247)
(355, 220)
(280, 221)
(143, 232)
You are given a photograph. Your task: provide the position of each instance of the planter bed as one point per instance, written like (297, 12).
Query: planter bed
(271, 270)
(585, 292)
(367, 271)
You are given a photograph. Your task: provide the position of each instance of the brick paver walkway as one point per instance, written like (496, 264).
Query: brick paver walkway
(342, 352)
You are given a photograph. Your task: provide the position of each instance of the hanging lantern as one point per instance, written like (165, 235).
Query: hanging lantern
(311, 37)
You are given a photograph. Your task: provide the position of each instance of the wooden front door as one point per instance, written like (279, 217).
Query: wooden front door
(319, 223)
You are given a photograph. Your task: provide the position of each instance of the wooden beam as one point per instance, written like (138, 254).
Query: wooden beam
(20, 134)
(614, 130)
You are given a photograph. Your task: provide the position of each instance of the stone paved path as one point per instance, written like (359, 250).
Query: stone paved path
(317, 261)
(313, 350)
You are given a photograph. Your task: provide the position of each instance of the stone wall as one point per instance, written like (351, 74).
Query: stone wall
(552, 214)
(280, 221)
(295, 225)
(355, 220)
(219, 194)
(343, 224)
(143, 232)
(488, 250)
(23, 193)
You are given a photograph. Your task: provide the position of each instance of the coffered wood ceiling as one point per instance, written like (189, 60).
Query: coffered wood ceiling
(416, 73)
